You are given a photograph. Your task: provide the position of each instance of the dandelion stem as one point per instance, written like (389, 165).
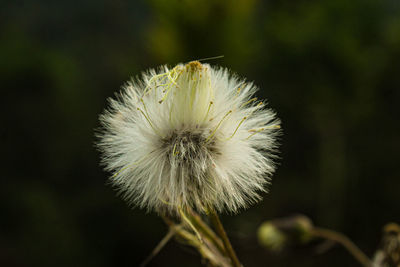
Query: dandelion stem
(345, 242)
(158, 248)
(207, 232)
(215, 257)
(187, 220)
(221, 231)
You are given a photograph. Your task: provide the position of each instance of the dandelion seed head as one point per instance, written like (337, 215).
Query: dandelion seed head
(192, 136)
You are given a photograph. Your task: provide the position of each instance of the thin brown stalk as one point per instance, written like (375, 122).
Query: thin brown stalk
(158, 248)
(345, 242)
(207, 232)
(206, 249)
(221, 231)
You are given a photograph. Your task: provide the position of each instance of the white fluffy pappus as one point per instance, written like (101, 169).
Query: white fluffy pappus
(189, 137)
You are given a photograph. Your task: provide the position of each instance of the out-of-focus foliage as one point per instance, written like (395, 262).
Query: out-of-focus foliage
(329, 68)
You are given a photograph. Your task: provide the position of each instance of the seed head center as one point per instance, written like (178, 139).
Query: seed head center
(189, 149)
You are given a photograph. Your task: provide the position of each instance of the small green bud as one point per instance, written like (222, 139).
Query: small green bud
(271, 237)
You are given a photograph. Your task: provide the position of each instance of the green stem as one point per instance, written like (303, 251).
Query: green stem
(221, 231)
(213, 255)
(207, 232)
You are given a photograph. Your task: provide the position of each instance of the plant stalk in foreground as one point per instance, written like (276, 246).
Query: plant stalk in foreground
(221, 231)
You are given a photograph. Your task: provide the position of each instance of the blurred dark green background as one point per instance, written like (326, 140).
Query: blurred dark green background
(329, 68)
